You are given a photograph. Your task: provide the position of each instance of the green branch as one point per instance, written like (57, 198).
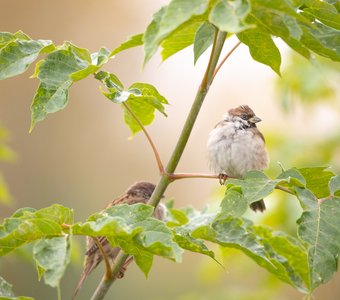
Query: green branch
(191, 119)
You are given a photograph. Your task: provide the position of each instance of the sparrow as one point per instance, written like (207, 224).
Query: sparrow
(140, 192)
(236, 146)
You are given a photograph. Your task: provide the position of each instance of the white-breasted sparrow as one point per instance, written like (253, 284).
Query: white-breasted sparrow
(140, 192)
(236, 146)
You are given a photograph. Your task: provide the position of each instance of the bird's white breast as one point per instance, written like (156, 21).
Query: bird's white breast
(235, 151)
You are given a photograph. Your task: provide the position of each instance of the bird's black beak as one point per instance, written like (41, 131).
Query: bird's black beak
(254, 120)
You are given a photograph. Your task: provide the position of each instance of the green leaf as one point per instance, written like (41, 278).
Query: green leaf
(234, 202)
(255, 186)
(54, 75)
(334, 185)
(317, 179)
(203, 39)
(184, 239)
(28, 225)
(57, 72)
(322, 40)
(168, 19)
(52, 257)
(134, 41)
(270, 17)
(288, 255)
(278, 7)
(183, 221)
(280, 254)
(6, 292)
(324, 12)
(18, 51)
(98, 59)
(141, 98)
(292, 177)
(262, 48)
(177, 217)
(319, 228)
(229, 16)
(182, 37)
(132, 228)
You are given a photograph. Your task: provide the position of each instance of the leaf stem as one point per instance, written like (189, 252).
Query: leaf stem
(284, 189)
(152, 144)
(225, 58)
(108, 272)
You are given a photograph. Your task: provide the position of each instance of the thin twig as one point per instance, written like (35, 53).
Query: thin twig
(225, 58)
(108, 272)
(176, 176)
(284, 189)
(152, 144)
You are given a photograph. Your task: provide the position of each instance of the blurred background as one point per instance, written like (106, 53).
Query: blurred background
(82, 157)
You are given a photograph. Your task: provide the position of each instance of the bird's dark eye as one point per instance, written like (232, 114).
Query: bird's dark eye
(244, 117)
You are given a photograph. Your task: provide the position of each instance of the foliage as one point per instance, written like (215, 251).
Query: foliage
(306, 261)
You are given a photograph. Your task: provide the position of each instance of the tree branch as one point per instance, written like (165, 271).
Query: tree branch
(105, 283)
(153, 146)
(177, 176)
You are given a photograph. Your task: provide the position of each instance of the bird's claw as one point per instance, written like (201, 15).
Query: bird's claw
(222, 178)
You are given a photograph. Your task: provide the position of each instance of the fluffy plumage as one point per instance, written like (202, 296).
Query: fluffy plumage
(236, 146)
(140, 192)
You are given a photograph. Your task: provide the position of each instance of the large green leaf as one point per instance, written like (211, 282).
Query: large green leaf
(322, 40)
(319, 228)
(182, 223)
(27, 225)
(18, 51)
(262, 48)
(255, 186)
(229, 16)
(314, 27)
(57, 72)
(141, 98)
(168, 19)
(132, 228)
(6, 292)
(278, 253)
(324, 12)
(182, 37)
(317, 179)
(52, 257)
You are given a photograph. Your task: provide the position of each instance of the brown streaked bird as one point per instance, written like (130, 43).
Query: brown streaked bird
(140, 192)
(236, 146)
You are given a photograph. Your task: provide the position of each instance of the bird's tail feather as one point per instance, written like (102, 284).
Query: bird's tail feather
(258, 206)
